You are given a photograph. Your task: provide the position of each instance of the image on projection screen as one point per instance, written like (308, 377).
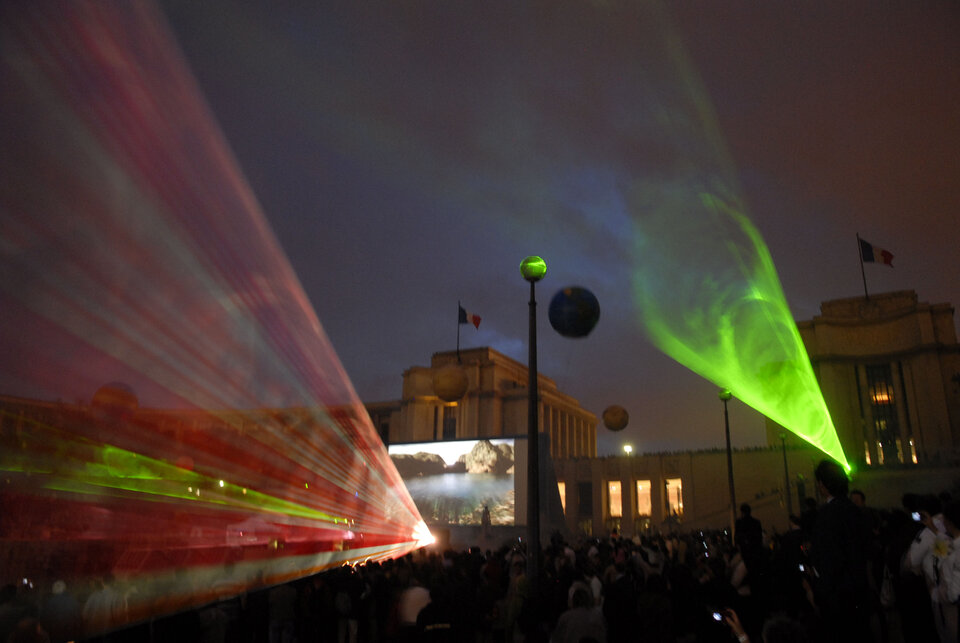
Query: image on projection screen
(451, 482)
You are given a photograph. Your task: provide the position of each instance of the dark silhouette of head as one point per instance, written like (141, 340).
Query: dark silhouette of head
(911, 502)
(745, 510)
(859, 498)
(951, 515)
(780, 629)
(833, 478)
(929, 503)
(582, 597)
(8, 593)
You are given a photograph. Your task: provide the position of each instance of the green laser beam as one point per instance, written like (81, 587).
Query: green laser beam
(726, 318)
(75, 464)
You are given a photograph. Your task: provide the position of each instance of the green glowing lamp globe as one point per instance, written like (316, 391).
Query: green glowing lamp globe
(725, 394)
(533, 268)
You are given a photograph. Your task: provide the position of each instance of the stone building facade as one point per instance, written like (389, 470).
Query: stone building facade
(662, 492)
(684, 490)
(493, 404)
(889, 369)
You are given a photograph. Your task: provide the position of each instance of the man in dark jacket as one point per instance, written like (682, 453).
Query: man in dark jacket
(749, 539)
(839, 559)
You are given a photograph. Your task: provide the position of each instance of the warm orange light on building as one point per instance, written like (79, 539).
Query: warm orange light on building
(615, 501)
(674, 488)
(644, 504)
(882, 397)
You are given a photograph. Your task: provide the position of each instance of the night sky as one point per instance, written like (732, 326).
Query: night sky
(410, 155)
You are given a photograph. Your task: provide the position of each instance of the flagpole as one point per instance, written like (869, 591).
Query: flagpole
(863, 274)
(458, 329)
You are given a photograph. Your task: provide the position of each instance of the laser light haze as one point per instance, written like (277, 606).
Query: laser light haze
(705, 286)
(229, 451)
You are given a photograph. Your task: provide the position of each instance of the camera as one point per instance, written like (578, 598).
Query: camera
(717, 616)
(802, 567)
(916, 516)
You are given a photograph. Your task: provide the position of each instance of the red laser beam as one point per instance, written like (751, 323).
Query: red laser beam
(235, 453)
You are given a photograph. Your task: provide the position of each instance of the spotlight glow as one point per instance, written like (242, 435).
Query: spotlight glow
(422, 536)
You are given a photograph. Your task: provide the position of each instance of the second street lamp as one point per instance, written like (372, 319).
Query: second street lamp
(786, 475)
(725, 396)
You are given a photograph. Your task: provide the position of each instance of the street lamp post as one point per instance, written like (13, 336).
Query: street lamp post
(725, 396)
(533, 269)
(786, 475)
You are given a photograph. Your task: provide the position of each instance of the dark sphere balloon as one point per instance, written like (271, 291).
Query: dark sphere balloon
(574, 311)
(615, 417)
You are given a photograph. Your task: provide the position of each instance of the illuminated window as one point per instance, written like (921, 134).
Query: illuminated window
(883, 408)
(881, 395)
(615, 499)
(899, 451)
(644, 506)
(674, 489)
(866, 452)
(880, 384)
(562, 488)
(913, 451)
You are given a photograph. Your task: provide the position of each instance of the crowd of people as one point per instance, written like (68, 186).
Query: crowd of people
(842, 572)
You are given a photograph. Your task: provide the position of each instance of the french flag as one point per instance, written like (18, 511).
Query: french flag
(469, 318)
(870, 252)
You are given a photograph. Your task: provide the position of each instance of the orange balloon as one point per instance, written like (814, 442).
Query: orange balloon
(450, 383)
